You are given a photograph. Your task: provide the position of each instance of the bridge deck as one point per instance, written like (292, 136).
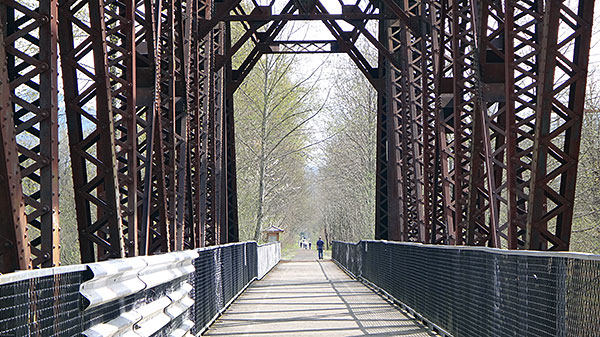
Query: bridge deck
(304, 297)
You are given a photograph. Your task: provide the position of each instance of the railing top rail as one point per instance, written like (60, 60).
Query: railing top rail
(269, 244)
(535, 253)
(36, 273)
(221, 246)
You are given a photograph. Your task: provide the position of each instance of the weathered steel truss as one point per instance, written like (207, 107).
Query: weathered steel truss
(480, 110)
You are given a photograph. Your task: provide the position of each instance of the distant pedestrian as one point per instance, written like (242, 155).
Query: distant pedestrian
(320, 244)
(309, 245)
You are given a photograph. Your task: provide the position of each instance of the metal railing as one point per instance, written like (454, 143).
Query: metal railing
(268, 256)
(174, 294)
(477, 291)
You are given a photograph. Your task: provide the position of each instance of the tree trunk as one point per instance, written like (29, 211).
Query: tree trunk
(262, 159)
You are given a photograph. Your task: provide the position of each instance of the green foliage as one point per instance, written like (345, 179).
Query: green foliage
(347, 173)
(272, 110)
(585, 236)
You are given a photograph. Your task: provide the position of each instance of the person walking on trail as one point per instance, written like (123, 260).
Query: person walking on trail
(320, 244)
(309, 245)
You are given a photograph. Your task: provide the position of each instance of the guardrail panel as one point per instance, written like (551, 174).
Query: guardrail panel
(478, 291)
(178, 294)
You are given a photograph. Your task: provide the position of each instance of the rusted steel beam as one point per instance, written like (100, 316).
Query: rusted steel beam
(213, 108)
(90, 123)
(218, 107)
(31, 53)
(382, 217)
(445, 128)
(190, 56)
(198, 99)
(121, 51)
(214, 13)
(15, 253)
(396, 178)
(559, 116)
(523, 27)
(457, 85)
(263, 14)
(148, 100)
(230, 157)
(488, 127)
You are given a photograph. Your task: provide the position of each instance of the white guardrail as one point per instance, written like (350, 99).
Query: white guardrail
(117, 279)
(268, 255)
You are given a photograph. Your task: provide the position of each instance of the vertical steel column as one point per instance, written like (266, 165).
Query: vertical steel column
(458, 100)
(31, 54)
(121, 51)
(155, 228)
(559, 114)
(421, 105)
(15, 250)
(431, 19)
(91, 128)
(445, 128)
(230, 158)
(198, 124)
(180, 125)
(167, 114)
(523, 27)
(487, 163)
(218, 141)
(148, 101)
(396, 211)
(212, 133)
(190, 55)
(382, 216)
(440, 93)
(408, 83)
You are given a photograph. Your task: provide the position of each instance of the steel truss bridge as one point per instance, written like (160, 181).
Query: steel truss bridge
(480, 107)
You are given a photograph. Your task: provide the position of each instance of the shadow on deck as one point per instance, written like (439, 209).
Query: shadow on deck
(304, 297)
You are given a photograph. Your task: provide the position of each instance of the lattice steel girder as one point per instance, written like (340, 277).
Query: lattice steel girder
(213, 108)
(488, 127)
(14, 240)
(172, 121)
(90, 123)
(31, 54)
(523, 27)
(382, 216)
(400, 140)
(121, 52)
(559, 116)
(262, 14)
(153, 224)
(190, 55)
(144, 112)
(197, 139)
(231, 218)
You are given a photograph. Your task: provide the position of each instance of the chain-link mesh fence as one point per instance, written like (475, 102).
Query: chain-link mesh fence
(46, 305)
(472, 291)
(220, 275)
(49, 302)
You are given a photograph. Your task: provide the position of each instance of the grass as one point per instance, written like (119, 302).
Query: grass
(289, 251)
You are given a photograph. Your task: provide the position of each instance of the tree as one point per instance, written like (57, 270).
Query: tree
(347, 173)
(586, 220)
(273, 109)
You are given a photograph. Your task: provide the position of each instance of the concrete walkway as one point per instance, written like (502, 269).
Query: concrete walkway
(309, 298)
